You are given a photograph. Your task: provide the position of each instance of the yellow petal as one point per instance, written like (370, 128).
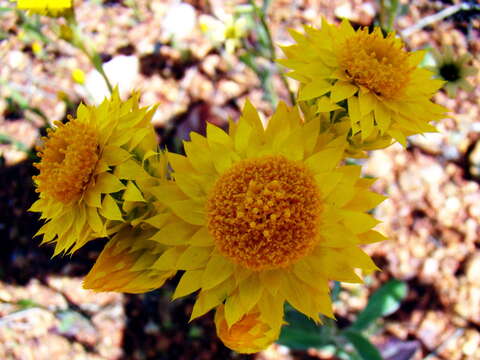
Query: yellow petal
(314, 89)
(132, 193)
(324, 160)
(168, 260)
(324, 104)
(217, 135)
(107, 183)
(189, 283)
(114, 155)
(250, 291)
(190, 211)
(175, 233)
(366, 101)
(130, 170)
(370, 237)
(342, 90)
(194, 258)
(201, 238)
(110, 209)
(217, 270)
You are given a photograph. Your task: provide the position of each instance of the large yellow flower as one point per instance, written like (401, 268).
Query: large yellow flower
(46, 7)
(263, 216)
(86, 168)
(371, 76)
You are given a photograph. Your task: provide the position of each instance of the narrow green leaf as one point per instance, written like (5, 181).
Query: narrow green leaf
(302, 333)
(383, 302)
(299, 339)
(364, 347)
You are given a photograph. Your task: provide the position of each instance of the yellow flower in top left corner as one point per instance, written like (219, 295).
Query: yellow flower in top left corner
(82, 165)
(46, 7)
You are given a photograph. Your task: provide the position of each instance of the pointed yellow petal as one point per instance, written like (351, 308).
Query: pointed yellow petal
(250, 291)
(370, 237)
(175, 233)
(107, 183)
(194, 258)
(314, 89)
(201, 238)
(132, 193)
(110, 209)
(114, 155)
(366, 101)
(218, 135)
(217, 270)
(189, 283)
(189, 210)
(342, 90)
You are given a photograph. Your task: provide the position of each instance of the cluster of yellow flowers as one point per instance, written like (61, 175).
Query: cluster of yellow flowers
(253, 217)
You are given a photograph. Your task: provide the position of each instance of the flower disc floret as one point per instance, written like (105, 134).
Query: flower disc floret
(370, 60)
(68, 159)
(263, 212)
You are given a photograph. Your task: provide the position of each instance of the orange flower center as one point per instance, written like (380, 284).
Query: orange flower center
(68, 159)
(377, 63)
(263, 212)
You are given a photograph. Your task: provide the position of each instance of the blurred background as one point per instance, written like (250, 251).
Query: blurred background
(200, 60)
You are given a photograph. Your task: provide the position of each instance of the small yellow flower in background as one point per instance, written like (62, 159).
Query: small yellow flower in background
(453, 69)
(248, 335)
(261, 216)
(226, 29)
(52, 8)
(78, 76)
(37, 47)
(85, 165)
(372, 77)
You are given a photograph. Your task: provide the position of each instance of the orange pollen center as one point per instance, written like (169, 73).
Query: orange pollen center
(264, 212)
(68, 159)
(377, 63)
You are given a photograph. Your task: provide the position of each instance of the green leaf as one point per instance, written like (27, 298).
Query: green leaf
(383, 302)
(5, 9)
(7, 139)
(300, 339)
(302, 333)
(364, 347)
(27, 303)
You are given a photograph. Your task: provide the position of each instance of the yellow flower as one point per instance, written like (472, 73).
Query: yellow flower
(248, 335)
(37, 48)
(453, 69)
(78, 76)
(263, 216)
(85, 167)
(46, 7)
(126, 264)
(225, 29)
(370, 76)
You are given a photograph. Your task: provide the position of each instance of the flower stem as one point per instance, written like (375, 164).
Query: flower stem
(81, 43)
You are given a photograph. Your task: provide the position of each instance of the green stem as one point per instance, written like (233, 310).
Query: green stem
(271, 47)
(81, 43)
